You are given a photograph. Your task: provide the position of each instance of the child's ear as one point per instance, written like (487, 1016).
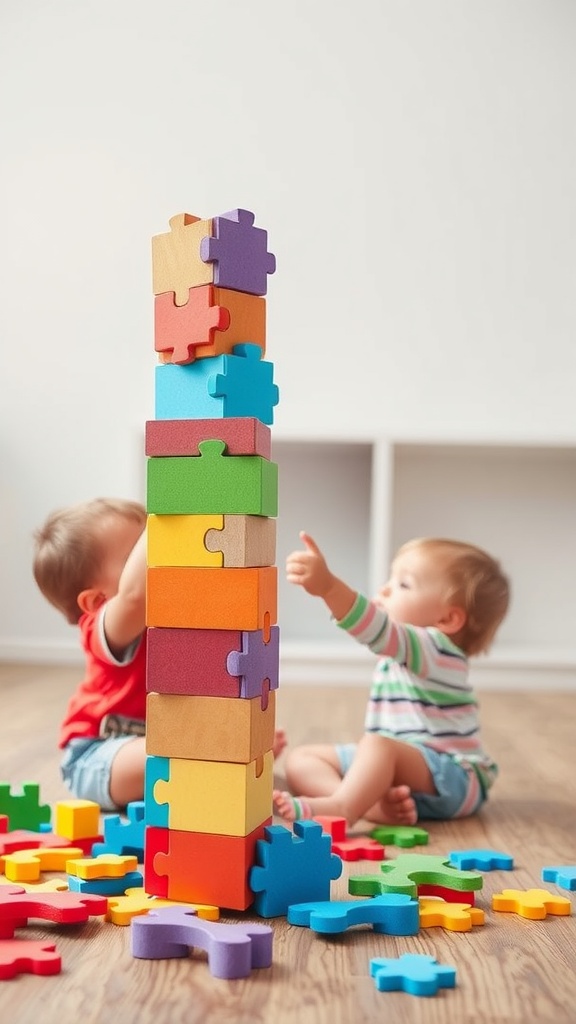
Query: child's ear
(452, 620)
(90, 600)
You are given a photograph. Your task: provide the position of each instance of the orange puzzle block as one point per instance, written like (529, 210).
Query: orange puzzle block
(188, 597)
(210, 323)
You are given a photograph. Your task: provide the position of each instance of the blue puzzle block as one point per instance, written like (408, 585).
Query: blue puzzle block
(106, 886)
(236, 384)
(564, 876)
(292, 868)
(412, 972)
(124, 837)
(391, 914)
(156, 769)
(481, 860)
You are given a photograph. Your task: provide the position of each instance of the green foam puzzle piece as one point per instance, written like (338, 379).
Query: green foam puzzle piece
(400, 835)
(24, 809)
(409, 870)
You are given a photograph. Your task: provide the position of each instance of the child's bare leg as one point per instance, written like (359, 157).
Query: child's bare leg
(380, 766)
(313, 770)
(127, 773)
(280, 741)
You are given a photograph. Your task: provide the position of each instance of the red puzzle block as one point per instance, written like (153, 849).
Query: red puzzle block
(349, 847)
(191, 662)
(26, 956)
(242, 435)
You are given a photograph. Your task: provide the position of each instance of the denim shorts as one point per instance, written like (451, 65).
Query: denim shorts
(86, 765)
(458, 791)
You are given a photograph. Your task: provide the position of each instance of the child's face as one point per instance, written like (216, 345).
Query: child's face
(415, 592)
(119, 537)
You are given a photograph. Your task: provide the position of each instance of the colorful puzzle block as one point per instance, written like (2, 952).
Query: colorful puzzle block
(409, 871)
(176, 262)
(534, 904)
(390, 914)
(180, 540)
(564, 876)
(28, 956)
(415, 973)
(400, 835)
(77, 819)
(210, 323)
(136, 902)
(24, 810)
(256, 664)
(209, 728)
(231, 598)
(234, 950)
(239, 252)
(481, 860)
(292, 868)
(456, 917)
(124, 837)
(243, 541)
(192, 661)
(107, 865)
(106, 886)
(242, 435)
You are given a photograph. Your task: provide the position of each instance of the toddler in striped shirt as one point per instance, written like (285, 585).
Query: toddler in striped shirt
(421, 755)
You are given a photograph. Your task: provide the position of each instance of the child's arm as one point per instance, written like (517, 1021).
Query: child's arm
(309, 569)
(125, 613)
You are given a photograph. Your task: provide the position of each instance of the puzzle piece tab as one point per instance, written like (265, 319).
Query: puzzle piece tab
(257, 662)
(26, 956)
(415, 973)
(410, 870)
(243, 540)
(24, 810)
(390, 914)
(481, 860)
(233, 949)
(239, 252)
(564, 876)
(534, 904)
(292, 868)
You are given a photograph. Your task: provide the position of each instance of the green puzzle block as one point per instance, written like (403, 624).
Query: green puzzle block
(212, 483)
(24, 809)
(409, 870)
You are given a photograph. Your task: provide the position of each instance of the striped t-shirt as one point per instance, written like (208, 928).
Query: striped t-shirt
(420, 690)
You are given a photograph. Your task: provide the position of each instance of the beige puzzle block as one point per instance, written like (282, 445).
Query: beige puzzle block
(209, 728)
(244, 541)
(180, 540)
(218, 797)
(176, 262)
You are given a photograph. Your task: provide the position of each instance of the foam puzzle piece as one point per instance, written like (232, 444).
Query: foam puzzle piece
(213, 483)
(400, 835)
(234, 950)
(26, 865)
(107, 865)
(408, 871)
(481, 860)
(239, 252)
(257, 660)
(242, 435)
(136, 902)
(201, 867)
(243, 541)
(239, 383)
(3, 823)
(448, 895)
(17, 905)
(22, 839)
(24, 810)
(209, 728)
(192, 661)
(456, 917)
(292, 868)
(77, 819)
(28, 956)
(416, 973)
(209, 324)
(106, 886)
(179, 331)
(176, 262)
(564, 876)
(349, 848)
(390, 914)
(50, 885)
(180, 540)
(231, 598)
(124, 837)
(155, 769)
(534, 904)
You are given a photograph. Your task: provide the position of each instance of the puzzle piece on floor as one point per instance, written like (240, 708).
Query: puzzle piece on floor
(179, 331)
(292, 868)
(51, 885)
(534, 904)
(24, 810)
(233, 949)
(349, 847)
(239, 252)
(3, 823)
(107, 865)
(136, 902)
(400, 835)
(257, 664)
(124, 837)
(27, 956)
(17, 906)
(481, 860)
(415, 973)
(26, 865)
(23, 839)
(564, 875)
(108, 886)
(456, 917)
(410, 870)
(390, 914)
(448, 895)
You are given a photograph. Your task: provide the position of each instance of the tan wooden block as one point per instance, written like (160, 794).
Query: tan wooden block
(180, 540)
(209, 728)
(244, 541)
(176, 262)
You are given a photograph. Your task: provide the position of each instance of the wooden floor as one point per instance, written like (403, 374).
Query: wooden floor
(511, 969)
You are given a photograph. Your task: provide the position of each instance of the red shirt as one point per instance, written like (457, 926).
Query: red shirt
(110, 686)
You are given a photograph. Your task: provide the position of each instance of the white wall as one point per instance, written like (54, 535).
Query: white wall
(413, 162)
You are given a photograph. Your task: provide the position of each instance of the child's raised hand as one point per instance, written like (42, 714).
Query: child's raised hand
(308, 568)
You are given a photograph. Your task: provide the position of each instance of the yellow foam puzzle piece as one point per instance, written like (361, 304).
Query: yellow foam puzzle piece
(532, 903)
(106, 865)
(121, 909)
(456, 917)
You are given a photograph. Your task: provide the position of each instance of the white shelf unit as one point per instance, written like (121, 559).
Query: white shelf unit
(362, 498)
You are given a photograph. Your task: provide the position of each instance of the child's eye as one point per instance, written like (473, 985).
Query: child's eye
(404, 585)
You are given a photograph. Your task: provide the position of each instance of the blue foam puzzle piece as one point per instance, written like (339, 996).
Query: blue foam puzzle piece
(106, 886)
(292, 868)
(391, 914)
(124, 837)
(481, 860)
(412, 972)
(563, 875)
(156, 769)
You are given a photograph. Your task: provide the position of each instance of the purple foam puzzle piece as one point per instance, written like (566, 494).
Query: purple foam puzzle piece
(256, 662)
(239, 252)
(233, 949)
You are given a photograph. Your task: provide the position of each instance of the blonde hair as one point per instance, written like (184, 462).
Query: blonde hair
(70, 546)
(475, 582)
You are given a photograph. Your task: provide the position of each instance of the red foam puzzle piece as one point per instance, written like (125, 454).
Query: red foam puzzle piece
(26, 956)
(17, 906)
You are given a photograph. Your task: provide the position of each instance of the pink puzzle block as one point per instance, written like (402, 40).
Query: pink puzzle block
(242, 435)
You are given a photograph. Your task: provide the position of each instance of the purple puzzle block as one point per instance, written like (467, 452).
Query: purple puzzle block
(239, 252)
(256, 662)
(233, 949)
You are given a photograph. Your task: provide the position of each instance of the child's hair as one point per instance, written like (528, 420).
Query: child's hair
(70, 546)
(475, 582)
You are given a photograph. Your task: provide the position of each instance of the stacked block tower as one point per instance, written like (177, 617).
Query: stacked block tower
(212, 499)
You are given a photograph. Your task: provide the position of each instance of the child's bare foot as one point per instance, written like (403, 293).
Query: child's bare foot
(291, 808)
(280, 741)
(398, 807)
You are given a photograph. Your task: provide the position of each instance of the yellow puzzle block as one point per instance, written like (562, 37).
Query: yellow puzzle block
(77, 819)
(209, 728)
(222, 798)
(180, 540)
